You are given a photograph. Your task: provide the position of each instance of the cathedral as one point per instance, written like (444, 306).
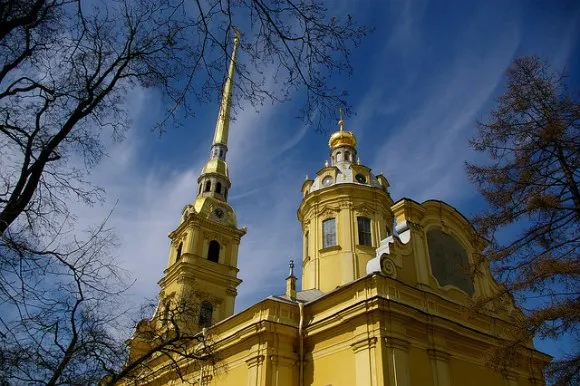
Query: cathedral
(385, 295)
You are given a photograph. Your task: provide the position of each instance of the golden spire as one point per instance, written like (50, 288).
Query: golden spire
(223, 122)
(340, 121)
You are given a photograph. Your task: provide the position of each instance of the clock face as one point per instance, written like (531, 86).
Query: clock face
(219, 212)
(326, 181)
(360, 178)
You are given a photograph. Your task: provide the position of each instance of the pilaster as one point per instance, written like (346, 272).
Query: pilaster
(511, 379)
(364, 359)
(284, 371)
(440, 367)
(398, 361)
(255, 365)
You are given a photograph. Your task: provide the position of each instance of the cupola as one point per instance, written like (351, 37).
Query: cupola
(342, 144)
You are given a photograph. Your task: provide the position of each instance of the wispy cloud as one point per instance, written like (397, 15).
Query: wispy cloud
(147, 200)
(405, 35)
(424, 155)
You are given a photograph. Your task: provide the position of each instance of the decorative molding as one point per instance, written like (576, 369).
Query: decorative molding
(364, 210)
(279, 360)
(329, 212)
(345, 204)
(331, 248)
(216, 236)
(398, 343)
(438, 355)
(231, 291)
(536, 381)
(364, 344)
(510, 375)
(255, 361)
(388, 267)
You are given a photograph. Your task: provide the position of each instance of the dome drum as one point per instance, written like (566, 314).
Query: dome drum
(343, 153)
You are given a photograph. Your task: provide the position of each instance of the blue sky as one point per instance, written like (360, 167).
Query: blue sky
(429, 70)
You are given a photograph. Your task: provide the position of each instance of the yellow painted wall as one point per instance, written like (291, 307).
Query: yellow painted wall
(420, 367)
(334, 369)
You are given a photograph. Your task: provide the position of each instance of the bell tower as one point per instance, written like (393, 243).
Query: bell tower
(203, 257)
(345, 213)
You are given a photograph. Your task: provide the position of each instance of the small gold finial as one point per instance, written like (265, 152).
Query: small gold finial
(358, 161)
(326, 163)
(236, 35)
(340, 121)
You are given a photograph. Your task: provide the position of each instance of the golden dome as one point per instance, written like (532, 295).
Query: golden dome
(342, 138)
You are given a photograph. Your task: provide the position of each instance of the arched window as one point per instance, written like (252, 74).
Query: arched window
(338, 157)
(205, 314)
(218, 187)
(200, 186)
(226, 193)
(213, 251)
(178, 254)
(347, 156)
(306, 244)
(364, 231)
(221, 153)
(328, 233)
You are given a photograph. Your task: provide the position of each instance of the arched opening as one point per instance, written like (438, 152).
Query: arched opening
(347, 156)
(207, 186)
(178, 254)
(213, 251)
(218, 187)
(200, 186)
(226, 193)
(338, 157)
(205, 314)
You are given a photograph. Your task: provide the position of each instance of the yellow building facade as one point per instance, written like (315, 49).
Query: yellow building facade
(385, 298)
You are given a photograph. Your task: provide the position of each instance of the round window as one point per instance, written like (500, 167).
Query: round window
(360, 178)
(326, 181)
